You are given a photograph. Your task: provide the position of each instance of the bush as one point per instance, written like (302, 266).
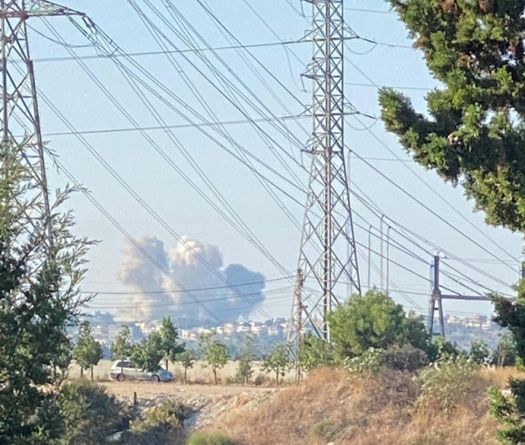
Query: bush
(167, 415)
(90, 414)
(508, 408)
(202, 438)
(446, 384)
(404, 358)
(162, 425)
(398, 358)
(328, 430)
(370, 362)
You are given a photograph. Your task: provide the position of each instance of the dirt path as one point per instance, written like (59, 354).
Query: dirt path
(206, 401)
(148, 390)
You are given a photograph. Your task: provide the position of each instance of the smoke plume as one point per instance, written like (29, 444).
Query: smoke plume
(199, 288)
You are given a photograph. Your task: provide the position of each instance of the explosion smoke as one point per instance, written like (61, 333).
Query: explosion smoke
(193, 265)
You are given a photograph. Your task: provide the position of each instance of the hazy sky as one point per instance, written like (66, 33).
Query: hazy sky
(186, 213)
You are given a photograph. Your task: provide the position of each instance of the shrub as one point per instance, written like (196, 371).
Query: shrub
(370, 362)
(327, 429)
(508, 409)
(162, 425)
(314, 352)
(447, 383)
(90, 414)
(202, 438)
(404, 358)
(167, 415)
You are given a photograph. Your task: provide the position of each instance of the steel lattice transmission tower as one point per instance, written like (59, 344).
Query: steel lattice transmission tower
(328, 257)
(19, 115)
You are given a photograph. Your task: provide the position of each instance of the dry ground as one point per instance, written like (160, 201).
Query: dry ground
(207, 402)
(148, 390)
(331, 407)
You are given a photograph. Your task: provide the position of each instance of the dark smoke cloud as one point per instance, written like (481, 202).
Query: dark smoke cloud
(193, 265)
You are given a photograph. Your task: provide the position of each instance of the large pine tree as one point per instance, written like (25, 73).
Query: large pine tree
(473, 131)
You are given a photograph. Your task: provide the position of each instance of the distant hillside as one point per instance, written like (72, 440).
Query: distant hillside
(332, 407)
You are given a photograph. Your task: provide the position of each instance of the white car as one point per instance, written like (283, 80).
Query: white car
(127, 370)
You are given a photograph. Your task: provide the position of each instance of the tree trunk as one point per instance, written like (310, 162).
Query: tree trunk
(91, 372)
(185, 373)
(81, 372)
(215, 375)
(167, 364)
(277, 377)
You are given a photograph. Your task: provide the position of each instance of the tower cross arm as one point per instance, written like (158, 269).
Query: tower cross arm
(35, 8)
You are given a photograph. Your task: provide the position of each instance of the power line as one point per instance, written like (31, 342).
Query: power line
(175, 126)
(178, 291)
(372, 11)
(200, 301)
(380, 214)
(396, 87)
(158, 53)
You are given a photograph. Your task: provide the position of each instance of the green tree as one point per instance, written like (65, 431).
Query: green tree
(122, 347)
(479, 351)
(88, 351)
(169, 335)
(245, 361)
(39, 298)
(473, 132)
(277, 361)
(187, 360)
(214, 353)
(373, 320)
(441, 348)
(148, 353)
(314, 352)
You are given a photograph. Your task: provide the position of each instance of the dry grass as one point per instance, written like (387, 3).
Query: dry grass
(200, 373)
(331, 407)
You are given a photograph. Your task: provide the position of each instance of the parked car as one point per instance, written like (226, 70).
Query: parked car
(127, 370)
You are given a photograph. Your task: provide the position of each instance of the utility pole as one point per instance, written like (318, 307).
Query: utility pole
(327, 256)
(437, 297)
(436, 303)
(19, 115)
(299, 320)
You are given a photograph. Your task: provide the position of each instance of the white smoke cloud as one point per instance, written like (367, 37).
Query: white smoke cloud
(142, 274)
(217, 292)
